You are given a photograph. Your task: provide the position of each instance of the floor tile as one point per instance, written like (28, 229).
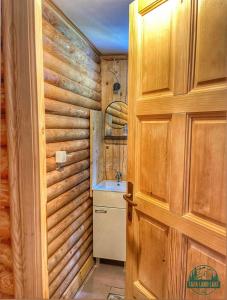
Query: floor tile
(115, 297)
(117, 291)
(105, 279)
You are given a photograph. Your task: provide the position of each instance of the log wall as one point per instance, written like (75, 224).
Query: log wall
(6, 261)
(72, 89)
(115, 151)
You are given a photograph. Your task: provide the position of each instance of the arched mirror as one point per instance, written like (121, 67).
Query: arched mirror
(116, 124)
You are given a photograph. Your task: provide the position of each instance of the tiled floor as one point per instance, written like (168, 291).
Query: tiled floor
(105, 279)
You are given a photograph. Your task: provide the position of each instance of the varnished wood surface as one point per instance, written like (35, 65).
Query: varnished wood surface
(64, 109)
(177, 144)
(67, 197)
(79, 278)
(67, 70)
(63, 95)
(56, 17)
(26, 145)
(96, 148)
(84, 226)
(72, 88)
(73, 158)
(68, 84)
(6, 258)
(69, 146)
(115, 152)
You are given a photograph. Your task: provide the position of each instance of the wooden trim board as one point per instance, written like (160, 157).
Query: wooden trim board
(22, 40)
(130, 251)
(145, 6)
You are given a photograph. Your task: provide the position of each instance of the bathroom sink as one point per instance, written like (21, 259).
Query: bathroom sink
(111, 186)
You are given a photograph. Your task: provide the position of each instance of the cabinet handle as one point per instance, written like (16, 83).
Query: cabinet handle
(101, 211)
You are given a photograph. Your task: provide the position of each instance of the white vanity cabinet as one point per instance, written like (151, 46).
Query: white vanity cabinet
(109, 224)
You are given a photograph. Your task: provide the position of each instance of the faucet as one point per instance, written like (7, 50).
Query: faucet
(118, 177)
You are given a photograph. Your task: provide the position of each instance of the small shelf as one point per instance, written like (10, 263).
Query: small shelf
(111, 137)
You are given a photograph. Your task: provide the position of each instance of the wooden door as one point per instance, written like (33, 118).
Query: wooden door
(177, 147)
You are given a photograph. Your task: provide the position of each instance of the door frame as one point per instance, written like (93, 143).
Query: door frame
(132, 90)
(25, 112)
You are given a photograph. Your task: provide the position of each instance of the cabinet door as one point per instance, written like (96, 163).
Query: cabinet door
(109, 228)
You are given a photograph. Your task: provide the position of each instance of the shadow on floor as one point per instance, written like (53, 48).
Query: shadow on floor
(105, 282)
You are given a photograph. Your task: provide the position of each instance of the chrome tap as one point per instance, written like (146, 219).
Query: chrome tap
(118, 176)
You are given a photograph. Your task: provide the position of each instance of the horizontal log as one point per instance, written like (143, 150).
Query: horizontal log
(59, 188)
(4, 224)
(122, 107)
(56, 176)
(4, 193)
(60, 135)
(79, 279)
(58, 229)
(62, 122)
(69, 71)
(52, 16)
(69, 266)
(3, 133)
(65, 282)
(85, 225)
(70, 146)
(63, 82)
(116, 126)
(113, 112)
(59, 215)
(6, 258)
(72, 158)
(77, 56)
(6, 282)
(59, 241)
(109, 126)
(53, 48)
(59, 202)
(116, 120)
(65, 44)
(3, 163)
(62, 95)
(116, 142)
(87, 236)
(64, 109)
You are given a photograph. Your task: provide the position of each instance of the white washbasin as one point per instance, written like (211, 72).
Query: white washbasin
(111, 186)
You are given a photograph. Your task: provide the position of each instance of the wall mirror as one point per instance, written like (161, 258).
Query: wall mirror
(116, 125)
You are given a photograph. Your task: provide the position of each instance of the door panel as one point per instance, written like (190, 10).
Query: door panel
(211, 35)
(199, 255)
(152, 255)
(156, 49)
(208, 167)
(154, 139)
(177, 141)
